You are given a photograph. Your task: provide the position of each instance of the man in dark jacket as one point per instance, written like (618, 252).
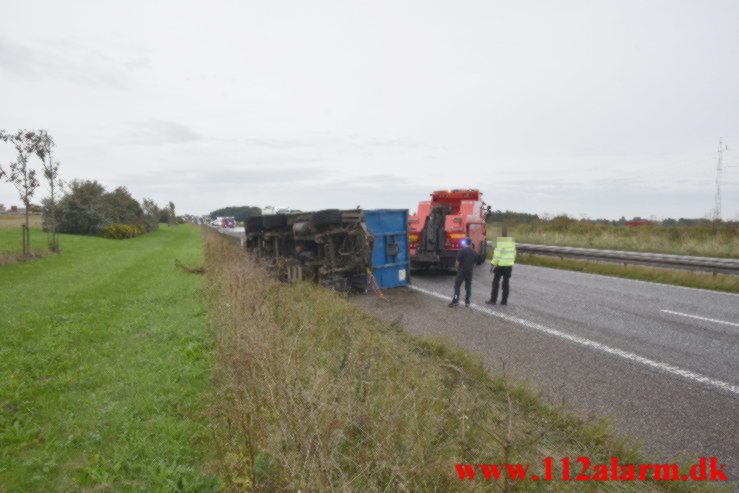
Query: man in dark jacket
(466, 260)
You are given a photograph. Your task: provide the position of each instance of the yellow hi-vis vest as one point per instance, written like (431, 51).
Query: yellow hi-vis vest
(504, 254)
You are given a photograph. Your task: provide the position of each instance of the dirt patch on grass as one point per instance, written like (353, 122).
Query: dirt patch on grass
(14, 258)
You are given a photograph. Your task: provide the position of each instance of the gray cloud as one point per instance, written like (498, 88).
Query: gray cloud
(381, 180)
(215, 176)
(278, 144)
(158, 132)
(82, 66)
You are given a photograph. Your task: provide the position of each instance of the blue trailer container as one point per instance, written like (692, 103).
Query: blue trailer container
(390, 254)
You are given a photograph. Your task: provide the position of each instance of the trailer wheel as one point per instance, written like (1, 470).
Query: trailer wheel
(253, 224)
(326, 217)
(274, 221)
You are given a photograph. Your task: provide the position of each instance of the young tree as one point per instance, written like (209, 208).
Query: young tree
(172, 215)
(151, 215)
(43, 147)
(21, 175)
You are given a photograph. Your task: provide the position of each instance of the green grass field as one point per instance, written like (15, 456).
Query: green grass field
(105, 367)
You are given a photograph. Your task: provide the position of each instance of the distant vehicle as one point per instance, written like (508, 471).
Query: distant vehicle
(439, 229)
(223, 222)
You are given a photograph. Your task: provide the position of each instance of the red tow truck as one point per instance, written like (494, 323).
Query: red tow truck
(439, 228)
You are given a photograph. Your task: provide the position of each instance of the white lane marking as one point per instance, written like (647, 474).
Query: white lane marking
(701, 318)
(582, 341)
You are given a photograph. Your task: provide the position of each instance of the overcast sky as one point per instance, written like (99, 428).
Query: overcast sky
(584, 107)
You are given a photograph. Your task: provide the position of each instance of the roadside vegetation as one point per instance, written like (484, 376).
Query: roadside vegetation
(88, 208)
(314, 395)
(718, 282)
(700, 237)
(105, 367)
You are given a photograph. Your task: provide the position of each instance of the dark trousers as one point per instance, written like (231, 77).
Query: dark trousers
(505, 273)
(465, 276)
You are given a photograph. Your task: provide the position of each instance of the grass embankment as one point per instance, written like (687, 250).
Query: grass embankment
(316, 395)
(104, 353)
(700, 240)
(719, 282)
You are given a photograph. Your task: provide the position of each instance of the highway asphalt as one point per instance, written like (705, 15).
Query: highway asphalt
(662, 361)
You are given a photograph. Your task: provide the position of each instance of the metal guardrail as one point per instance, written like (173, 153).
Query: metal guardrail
(682, 262)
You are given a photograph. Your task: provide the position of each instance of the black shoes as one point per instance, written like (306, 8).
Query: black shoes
(490, 302)
(503, 302)
(456, 303)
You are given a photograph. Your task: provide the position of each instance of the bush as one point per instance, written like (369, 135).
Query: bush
(87, 208)
(121, 231)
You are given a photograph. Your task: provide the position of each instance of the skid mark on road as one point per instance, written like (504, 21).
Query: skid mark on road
(582, 341)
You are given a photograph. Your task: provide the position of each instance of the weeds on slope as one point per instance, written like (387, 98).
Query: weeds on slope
(315, 395)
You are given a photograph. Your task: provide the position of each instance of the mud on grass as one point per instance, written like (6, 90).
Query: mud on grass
(314, 394)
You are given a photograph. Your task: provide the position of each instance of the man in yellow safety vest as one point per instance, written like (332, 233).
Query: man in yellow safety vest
(504, 256)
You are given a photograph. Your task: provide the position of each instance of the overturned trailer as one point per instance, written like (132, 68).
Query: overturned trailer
(331, 247)
(337, 249)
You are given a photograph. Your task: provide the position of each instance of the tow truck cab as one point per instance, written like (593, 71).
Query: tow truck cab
(439, 228)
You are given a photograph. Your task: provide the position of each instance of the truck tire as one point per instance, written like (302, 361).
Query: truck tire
(274, 221)
(326, 217)
(253, 224)
(483, 252)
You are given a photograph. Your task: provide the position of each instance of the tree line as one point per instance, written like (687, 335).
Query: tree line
(85, 206)
(511, 217)
(239, 213)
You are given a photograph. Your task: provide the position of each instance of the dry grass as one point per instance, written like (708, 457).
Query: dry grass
(706, 240)
(314, 395)
(16, 220)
